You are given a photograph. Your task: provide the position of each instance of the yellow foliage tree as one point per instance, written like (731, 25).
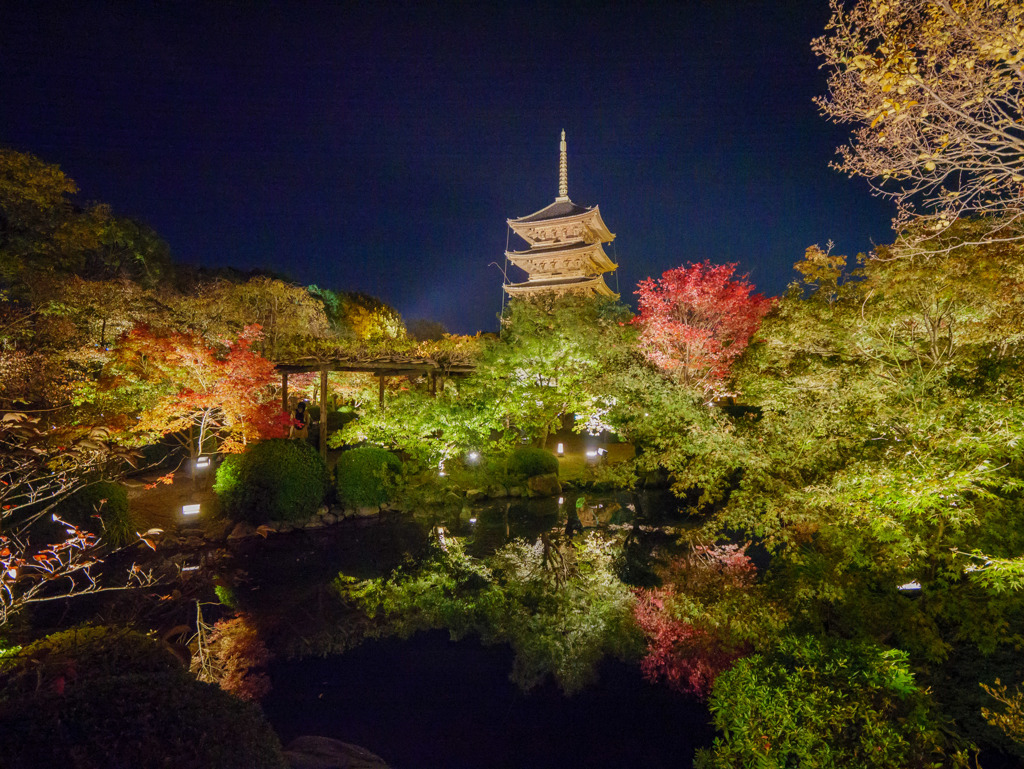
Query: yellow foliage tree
(935, 89)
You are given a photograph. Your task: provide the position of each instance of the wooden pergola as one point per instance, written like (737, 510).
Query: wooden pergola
(381, 367)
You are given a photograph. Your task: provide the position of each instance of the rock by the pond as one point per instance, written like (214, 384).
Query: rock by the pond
(544, 485)
(314, 523)
(216, 530)
(497, 492)
(475, 494)
(323, 510)
(330, 518)
(242, 530)
(325, 753)
(517, 491)
(367, 512)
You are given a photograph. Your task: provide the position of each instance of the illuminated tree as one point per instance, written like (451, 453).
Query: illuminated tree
(934, 90)
(548, 363)
(39, 225)
(197, 392)
(283, 311)
(696, 320)
(353, 315)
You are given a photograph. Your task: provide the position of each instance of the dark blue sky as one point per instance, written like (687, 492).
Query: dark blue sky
(380, 147)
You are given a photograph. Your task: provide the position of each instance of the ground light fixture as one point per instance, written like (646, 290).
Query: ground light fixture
(202, 462)
(190, 510)
(561, 450)
(473, 457)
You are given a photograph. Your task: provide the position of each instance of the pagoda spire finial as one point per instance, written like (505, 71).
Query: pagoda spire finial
(563, 170)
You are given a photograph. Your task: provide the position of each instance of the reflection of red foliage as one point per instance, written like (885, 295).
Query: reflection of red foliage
(696, 320)
(686, 656)
(240, 657)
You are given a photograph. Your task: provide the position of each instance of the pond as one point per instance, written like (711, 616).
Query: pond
(287, 578)
(428, 701)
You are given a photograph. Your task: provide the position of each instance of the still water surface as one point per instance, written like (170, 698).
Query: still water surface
(430, 702)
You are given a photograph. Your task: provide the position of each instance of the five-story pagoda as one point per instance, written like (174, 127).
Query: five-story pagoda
(565, 254)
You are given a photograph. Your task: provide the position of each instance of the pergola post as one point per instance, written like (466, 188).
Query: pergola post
(323, 411)
(380, 379)
(284, 391)
(433, 383)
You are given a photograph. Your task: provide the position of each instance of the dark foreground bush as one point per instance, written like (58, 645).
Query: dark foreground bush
(527, 462)
(273, 480)
(838, 704)
(366, 476)
(109, 501)
(103, 697)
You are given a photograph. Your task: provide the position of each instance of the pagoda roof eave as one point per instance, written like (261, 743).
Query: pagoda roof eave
(591, 219)
(559, 209)
(595, 284)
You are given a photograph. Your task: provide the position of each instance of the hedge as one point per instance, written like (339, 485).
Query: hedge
(365, 476)
(527, 462)
(107, 697)
(277, 479)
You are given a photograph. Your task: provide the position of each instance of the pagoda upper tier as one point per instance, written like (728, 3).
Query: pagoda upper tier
(565, 253)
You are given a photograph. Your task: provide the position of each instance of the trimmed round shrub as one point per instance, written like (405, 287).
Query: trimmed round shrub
(107, 697)
(527, 462)
(365, 476)
(109, 501)
(277, 479)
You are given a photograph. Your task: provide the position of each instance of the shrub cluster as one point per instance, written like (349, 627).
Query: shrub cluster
(276, 479)
(111, 697)
(826, 704)
(365, 476)
(109, 501)
(527, 462)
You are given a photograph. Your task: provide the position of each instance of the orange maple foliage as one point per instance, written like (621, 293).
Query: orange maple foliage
(198, 391)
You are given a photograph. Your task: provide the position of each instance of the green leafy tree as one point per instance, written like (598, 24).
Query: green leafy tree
(887, 446)
(546, 365)
(826, 706)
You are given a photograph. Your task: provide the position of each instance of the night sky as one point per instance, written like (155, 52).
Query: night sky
(381, 147)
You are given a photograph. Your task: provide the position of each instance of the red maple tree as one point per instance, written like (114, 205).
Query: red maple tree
(200, 392)
(696, 320)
